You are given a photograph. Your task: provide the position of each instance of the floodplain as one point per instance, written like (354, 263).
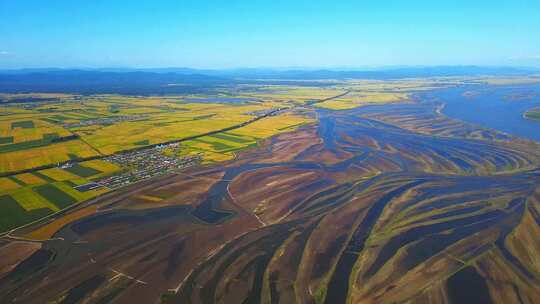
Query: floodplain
(356, 191)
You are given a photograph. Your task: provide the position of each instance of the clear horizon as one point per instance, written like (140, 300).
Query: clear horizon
(264, 34)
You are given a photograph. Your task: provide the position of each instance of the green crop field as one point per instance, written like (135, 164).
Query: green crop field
(6, 140)
(21, 204)
(43, 176)
(47, 139)
(13, 215)
(26, 124)
(82, 171)
(233, 138)
(55, 195)
(30, 200)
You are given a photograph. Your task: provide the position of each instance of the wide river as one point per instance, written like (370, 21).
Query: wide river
(496, 107)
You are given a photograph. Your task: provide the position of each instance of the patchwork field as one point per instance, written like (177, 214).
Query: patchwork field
(67, 127)
(61, 138)
(356, 99)
(222, 146)
(347, 192)
(373, 92)
(19, 206)
(391, 203)
(48, 131)
(30, 196)
(291, 93)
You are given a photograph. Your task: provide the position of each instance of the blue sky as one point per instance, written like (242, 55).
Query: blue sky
(228, 33)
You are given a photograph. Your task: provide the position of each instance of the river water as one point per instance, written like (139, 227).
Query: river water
(496, 107)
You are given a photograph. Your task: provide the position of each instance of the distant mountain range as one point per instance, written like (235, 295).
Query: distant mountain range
(180, 80)
(97, 81)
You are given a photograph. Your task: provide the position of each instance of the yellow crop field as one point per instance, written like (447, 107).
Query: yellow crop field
(108, 124)
(222, 146)
(205, 151)
(141, 110)
(30, 179)
(356, 99)
(45, 198)
(298, 94)
(149, 198)
(51, 154)
(39, 129)
(408, 84)
(270, 126)
(6, 184)
(216, 148)
(150, 120)
(337, 105)
(214, 157)
(29, 200)
(228, 141)
(59, 174)
(127, 135)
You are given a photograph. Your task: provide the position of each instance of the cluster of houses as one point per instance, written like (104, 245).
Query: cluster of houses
(149, 162)
(146, 163)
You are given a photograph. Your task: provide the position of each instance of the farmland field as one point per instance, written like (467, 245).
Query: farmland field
(76, 128)
(353, 191)
(269, 152)
(63, 138)
(82, 171)
(13, 215)
(53, 194)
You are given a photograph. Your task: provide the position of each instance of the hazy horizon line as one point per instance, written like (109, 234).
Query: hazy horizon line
(278, 68)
